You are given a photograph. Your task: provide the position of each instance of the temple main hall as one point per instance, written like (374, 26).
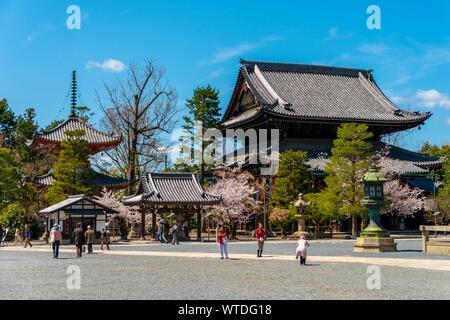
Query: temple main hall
(307, 103)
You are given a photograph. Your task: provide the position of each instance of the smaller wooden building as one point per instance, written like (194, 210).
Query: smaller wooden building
(76, 209)
(179, 193)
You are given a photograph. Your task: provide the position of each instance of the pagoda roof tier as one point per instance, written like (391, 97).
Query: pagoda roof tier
(171, 189)
(100, 179)
(302, 92)
(97, 141)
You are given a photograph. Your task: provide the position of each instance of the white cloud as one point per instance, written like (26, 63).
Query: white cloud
(32, 36)
(399, 100)
(238, 50)
(448, 121)
(433, 98)
(110, 65)
(42, 29)
(373, 48)
(335, 34)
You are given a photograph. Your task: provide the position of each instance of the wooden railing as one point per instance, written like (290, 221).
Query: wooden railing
(435, 247)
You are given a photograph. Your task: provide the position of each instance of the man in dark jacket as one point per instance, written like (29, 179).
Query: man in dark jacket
(27, 236)
(78, 239)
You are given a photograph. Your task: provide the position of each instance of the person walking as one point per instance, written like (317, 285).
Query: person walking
(90, 238)
(27, 236)
(174, 232)
(104, 239)
(3, 236)
(166, 231)
(55, 240)
(301, 250)
(260, 235)
(17, 238)
(161, 230)
(222, 242)
(186, 230)
(78, 239)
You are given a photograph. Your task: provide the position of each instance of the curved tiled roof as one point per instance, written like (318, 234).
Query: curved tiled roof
(73, 200)
(171, 189)
(101, 180)
(92, 135)
(321, 92)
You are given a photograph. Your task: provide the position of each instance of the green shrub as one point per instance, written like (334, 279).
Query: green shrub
(14, 216)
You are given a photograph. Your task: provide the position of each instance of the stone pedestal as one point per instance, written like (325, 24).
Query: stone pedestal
(376, 244)
(301, 227)
(374, 239)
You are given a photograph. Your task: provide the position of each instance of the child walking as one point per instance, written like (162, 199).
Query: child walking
(301, 250)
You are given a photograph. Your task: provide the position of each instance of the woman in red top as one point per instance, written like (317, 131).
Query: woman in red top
(260, 237)
(222, 241)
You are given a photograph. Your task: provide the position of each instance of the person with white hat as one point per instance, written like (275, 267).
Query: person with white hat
(55, 240)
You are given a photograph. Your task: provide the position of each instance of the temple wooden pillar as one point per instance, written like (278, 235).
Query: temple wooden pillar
(154, 230)
(199, 225)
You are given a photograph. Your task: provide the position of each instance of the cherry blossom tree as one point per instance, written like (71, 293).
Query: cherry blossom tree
(131, 214)
(237, 190)
(403, 199)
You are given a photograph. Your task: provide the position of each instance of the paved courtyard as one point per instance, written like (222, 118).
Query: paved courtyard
(193, 271)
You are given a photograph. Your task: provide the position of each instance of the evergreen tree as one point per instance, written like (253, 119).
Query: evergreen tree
(345, 170)
(10, 178)
(203, 108)
(7, 123)
(24, 131)
(293, 177)
(72, 171)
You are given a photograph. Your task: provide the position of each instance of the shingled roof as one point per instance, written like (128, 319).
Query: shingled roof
(171, 189)
(404, 162)
(74, 200)
(102, 141)
(316, 92)
(100, 179)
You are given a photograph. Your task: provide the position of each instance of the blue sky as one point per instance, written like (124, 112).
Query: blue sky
(200, 42)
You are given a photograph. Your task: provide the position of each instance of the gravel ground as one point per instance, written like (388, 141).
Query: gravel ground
(407, 249)
(34, 275)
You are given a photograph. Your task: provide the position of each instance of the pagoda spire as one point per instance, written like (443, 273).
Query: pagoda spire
(73, 90)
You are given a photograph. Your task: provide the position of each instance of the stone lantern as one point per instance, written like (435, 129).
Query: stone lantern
(374, 238)
(300, 204)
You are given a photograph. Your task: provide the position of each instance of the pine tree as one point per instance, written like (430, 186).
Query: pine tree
(72, 171)
(345, 170)
(203, 108)
(293, 177)
(7, 123)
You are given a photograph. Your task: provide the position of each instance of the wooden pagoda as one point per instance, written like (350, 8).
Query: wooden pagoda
(96, 141)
